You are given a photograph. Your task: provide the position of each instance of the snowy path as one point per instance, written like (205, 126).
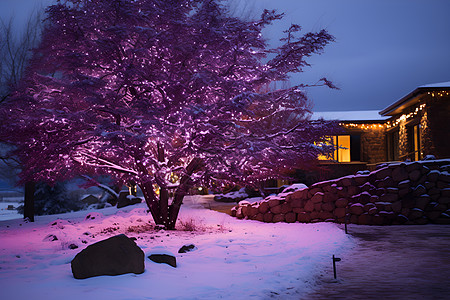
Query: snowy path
(392, 262)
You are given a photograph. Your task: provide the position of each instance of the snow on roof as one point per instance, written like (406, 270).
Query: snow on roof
(361, 115)
(411, 99)
(436, 85)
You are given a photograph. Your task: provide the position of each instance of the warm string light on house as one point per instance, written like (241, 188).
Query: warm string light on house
(396, 122)
(389, 124)
(363, 126)
(405, 117)
(439, 94)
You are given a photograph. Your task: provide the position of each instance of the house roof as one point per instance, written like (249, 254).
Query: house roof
(413, 98)
(361, 115)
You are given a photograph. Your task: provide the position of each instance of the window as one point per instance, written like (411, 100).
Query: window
(355, 148)
(393, 145)
(417, 142)
(343, 152)
(414, 142)
(348, 148)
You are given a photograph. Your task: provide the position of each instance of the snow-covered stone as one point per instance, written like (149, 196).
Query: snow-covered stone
(164, 259)
(393, 194)
(114, 256)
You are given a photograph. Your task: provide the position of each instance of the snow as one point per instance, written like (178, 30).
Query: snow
(6, 214)
(362, 115)
(291, 189)
(436, 85)
(233, 259)
(235, 195)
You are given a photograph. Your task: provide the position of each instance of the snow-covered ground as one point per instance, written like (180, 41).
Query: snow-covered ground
(234, 259)
(6, 214)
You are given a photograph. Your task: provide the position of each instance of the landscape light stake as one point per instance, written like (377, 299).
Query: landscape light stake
(347, 217)
(335, 259)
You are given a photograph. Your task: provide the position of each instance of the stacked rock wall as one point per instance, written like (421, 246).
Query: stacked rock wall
(373, 145)
(402, 193)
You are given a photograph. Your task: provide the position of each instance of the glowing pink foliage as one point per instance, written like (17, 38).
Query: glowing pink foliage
(146, 89)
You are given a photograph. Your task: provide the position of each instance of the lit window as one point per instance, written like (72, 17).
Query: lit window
(342, 152)
(330, 141)
(344, 148)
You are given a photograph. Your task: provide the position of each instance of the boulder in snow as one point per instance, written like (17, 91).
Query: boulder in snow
(114, 256)
(187, 248)
(164, 259)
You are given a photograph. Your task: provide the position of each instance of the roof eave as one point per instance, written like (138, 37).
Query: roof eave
(391, 109)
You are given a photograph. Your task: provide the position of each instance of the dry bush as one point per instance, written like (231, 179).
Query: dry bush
(140, 228)
(191, 224)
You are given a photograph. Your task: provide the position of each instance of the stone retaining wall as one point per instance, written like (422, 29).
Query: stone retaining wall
(401, 193)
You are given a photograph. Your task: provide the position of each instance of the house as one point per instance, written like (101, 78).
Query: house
(360, 145)
(411, 128)
(419, 124)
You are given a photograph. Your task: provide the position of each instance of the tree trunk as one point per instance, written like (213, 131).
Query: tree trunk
(164, 206)
(182, 190)
(28, 205)
(163, 213)
(152, 201)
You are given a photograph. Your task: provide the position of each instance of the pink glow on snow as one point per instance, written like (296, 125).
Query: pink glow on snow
(234, 259)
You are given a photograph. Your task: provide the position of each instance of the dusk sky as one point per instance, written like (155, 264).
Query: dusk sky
(384, 49)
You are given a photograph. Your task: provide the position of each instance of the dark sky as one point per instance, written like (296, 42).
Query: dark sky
(384, 48)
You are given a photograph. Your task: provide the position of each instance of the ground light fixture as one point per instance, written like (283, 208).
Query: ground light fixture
(335, 259)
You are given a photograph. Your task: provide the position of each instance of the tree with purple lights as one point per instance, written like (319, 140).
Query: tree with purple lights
(165, 94)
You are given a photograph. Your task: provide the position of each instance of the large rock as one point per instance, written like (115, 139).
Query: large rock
(388, 197)
(164, 259)
(363, 198)
(187, 248)
(340, 212)
(252, 211)
(396, 206)
(405, 184)
(367, 187)
(433, 175)
(296, 203)
(263, 207)
(356, 209)
(285, 208)
(303, 217)
(328, 206)
(419, 190)
(399, 174)
(114, 256)
(341, 202)
(268, 217)
(415, 213)
(325, 215)
(309, 206)
(360, 179)
(318, 197)
(276, 209)
(278, 218)
(331, 196)
(125, 199)
(290, 217)
(365, 219)
(422, 201)
(415, 175)
(383, 173)
(259, 217)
